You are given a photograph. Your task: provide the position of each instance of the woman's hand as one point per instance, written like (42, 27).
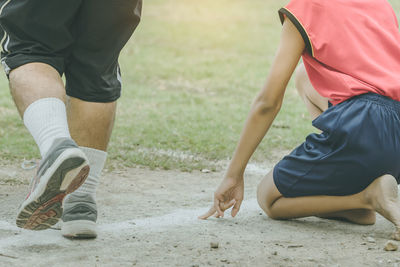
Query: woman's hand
(229, 193)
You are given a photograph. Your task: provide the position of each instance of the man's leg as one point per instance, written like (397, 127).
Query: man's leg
(94, 84)
(43, 78)
(91, 126)
(380, 196)
(38, 92)
(91, 123)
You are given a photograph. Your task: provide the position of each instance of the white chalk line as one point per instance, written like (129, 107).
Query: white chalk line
(181, 217)
(177, 218)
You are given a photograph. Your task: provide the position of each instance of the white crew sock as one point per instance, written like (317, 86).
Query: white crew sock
(96, 158)
(46, 120)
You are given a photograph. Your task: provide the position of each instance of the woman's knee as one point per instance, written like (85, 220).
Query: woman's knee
(261, 196)
(267, 194)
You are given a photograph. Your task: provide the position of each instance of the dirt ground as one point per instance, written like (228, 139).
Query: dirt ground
(149, 218)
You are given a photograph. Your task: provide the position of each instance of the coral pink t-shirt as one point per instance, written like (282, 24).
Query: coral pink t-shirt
(352, 46)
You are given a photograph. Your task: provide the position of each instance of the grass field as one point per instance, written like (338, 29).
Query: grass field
(190, 73)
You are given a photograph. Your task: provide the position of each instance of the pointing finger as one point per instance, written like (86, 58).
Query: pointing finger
(209, 213)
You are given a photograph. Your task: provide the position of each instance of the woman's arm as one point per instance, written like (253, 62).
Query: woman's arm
(269, 100)
(263, 111)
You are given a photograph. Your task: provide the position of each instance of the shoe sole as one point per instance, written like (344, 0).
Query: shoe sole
(43, 208)
(79, 229)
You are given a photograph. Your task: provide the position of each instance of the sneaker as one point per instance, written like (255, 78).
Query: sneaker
(79, 216)
(63, 169)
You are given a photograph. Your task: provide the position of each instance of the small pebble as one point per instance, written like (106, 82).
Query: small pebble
(391, 246)
(370, 239)
(295, 246)
(205, 171)
(363, 243)
(275, 253)
(224, 260)
(214, 244)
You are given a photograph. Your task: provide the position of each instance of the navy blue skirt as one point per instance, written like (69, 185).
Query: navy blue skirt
(360, 141)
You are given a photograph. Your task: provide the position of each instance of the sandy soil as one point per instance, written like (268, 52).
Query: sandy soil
(148, 218)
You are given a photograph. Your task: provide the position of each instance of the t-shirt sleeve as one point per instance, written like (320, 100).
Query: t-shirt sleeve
(299, 13)
(324, 24)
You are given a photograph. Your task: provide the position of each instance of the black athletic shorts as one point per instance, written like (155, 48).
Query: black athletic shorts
(79, 38)
(360, 141)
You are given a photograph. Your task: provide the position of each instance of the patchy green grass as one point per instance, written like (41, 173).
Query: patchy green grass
(190, 74)
(396, 7)
(193, 79)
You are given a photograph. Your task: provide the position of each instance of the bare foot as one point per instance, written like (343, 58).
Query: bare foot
(382, 194)
(358, 216)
